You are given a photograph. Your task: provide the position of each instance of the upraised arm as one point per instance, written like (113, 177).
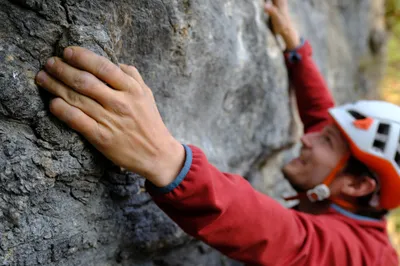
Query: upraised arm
(312, 94)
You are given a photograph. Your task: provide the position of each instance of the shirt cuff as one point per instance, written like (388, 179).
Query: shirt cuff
(182, 174)
(294, 55)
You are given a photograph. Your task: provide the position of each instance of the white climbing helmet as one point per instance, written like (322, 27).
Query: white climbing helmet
(372, 129)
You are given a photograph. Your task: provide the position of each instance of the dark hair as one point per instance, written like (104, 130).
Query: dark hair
(358, 169)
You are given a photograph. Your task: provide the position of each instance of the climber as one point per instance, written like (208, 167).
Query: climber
(347, 174)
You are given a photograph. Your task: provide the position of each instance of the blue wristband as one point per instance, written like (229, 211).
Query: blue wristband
(178, 180)
(293, 55)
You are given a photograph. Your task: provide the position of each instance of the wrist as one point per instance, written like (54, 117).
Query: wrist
(291, 38)
(168, 164)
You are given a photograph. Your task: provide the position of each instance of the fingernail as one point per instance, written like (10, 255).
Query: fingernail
(40, 77)
(68, 53)
(51, 61)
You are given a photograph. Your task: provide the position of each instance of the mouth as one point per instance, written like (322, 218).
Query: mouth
(302, 158)
(299, 160)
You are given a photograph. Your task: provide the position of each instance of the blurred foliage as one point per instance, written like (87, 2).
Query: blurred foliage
(392, 13)
(390, 88)
(393, 227)
(390, 91)
(393, 25)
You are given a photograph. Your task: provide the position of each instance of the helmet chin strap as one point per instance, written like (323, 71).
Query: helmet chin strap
(322, 192)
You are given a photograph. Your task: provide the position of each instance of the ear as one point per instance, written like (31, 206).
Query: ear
(357, 186)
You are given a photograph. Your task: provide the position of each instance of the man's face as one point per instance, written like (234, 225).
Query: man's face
(319, 155)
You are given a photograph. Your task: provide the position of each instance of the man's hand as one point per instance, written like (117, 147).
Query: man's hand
(120, 119)
(282, 24)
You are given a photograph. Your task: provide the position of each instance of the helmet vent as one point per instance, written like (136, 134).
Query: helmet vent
(397, 158)
(381, 138)
(356, 115)
(383, 129)
(379, 146)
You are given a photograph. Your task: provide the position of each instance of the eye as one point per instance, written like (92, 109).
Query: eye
(328, 139)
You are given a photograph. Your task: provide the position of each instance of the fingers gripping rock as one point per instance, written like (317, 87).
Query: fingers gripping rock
(94, 38)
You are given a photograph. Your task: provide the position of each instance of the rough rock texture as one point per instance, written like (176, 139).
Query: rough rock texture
(220, 83)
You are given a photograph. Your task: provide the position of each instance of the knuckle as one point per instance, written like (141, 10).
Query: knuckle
(81, 81)
(105, 67)
(150, 94)
(135, 87)
(74, 97)
(136, 74)
(58, 68)
(54, 106)
(104, 138)
(134, 69)
(148, 90)
(121, 107)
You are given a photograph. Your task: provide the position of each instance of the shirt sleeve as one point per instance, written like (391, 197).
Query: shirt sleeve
(224, 211)
(312, 94)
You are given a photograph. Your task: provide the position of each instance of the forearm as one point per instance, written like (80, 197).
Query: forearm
(312, 94)
(291, 37)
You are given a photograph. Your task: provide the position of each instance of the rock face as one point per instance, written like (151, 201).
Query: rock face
(220, 83)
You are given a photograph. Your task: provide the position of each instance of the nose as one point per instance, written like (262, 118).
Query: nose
(306, 140)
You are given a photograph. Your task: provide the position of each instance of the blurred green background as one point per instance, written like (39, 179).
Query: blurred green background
(390, 88)
(390, 91)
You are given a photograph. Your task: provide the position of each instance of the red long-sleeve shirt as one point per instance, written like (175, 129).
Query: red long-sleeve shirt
(224, 211)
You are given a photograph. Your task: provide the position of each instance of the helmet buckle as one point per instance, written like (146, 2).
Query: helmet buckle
(319, 193)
